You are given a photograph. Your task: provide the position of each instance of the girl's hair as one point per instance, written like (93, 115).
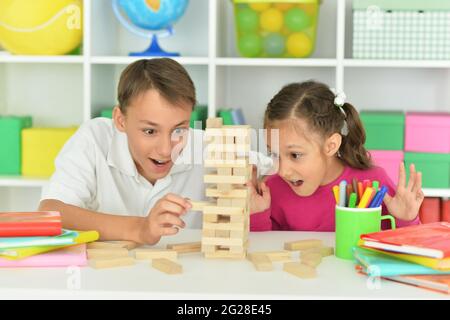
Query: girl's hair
(314, 102)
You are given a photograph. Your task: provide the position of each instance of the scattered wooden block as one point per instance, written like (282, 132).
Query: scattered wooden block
(104, 245)
(324, 251)
(275, 256)
(303, 244)
(312, 259)
(261, 262)
(187, 247)
(167, 266)
(224, 254)
(111, 262)
(148, 254)
(107, 253)
(300, 270)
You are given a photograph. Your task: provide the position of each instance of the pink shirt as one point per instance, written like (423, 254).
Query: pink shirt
(289, 211)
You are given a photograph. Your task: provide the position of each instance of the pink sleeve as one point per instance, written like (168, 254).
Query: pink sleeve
(261, 221)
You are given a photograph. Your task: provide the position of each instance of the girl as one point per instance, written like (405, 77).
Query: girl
(321, 142)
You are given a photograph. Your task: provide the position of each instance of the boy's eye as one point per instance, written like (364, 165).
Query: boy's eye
(149, 131)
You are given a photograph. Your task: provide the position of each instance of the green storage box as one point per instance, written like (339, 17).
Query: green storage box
(106, 113)
(276, 28)
(11, 143)
(200, 113)
(435, 168)
(384, 130)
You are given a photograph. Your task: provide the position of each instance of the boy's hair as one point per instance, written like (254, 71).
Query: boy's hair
(314, 102)
(165, 75)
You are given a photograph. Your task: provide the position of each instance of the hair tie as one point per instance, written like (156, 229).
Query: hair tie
(339, 101)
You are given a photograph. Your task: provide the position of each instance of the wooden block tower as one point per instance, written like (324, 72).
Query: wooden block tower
(226, 219)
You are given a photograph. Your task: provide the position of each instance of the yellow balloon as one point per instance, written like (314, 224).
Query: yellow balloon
(272, 20)
(284, 6)
(260, 6)
(299, 45)
(41, 27)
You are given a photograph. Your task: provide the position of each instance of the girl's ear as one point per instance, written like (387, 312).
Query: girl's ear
(119, 119)
(332, 144)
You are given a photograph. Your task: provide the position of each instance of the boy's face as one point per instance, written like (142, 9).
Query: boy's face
(157, 132)
(305, 162)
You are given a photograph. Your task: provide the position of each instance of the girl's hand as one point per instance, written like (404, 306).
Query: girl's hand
(259, 197)
(408, 198)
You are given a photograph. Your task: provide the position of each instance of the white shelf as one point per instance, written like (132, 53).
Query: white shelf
(397, 63)
(261, 62)
(15, 181)
(6, 58)
(440, 193)
(118, 60)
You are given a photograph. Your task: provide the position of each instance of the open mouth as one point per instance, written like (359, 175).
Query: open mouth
(296, 183)
(159, 163)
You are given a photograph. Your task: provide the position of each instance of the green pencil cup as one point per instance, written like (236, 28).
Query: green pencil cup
(351, 223)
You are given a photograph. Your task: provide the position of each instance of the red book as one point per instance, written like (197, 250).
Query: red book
(30, 224)
(428, 240)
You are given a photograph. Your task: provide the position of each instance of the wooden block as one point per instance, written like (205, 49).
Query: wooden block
(167, 266)
(224, 202)
(238, 233)
(198, 205)
(185, 247)
(224, 226)
(107, 253)
(210, 162)
(226, 132)
(261, 262)
(226, 211)
(129, 245)
(210, 218)
(234, 193)
(208, 233)
(224, 171)
(104, 245)
(212, 178)
(324, 251)
(312, 259)
(300, 270)
(222, 241)
(224, 187)
(224, 254)
(148, 254)
(275, 256)
(241, 172)
(209, 248)
(303, 244)
(219, 146)
(111, 262)
(214, 123)
(239, 203)
(222, 233)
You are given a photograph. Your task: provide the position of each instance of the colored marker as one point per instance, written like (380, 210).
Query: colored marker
(378, 200)
(336, 194)
(364, 202)
(355, 188)
(375, 185)
(366, 183)
(349, 191)
(352, 200)
(360, 191)
(342, 193)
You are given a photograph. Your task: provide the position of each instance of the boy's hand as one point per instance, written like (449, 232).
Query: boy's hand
(406, 203)
(164, 219)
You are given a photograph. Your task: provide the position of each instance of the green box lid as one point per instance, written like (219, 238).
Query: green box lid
(420, 156)
(404, 5)
(383, 117)
(24, 121)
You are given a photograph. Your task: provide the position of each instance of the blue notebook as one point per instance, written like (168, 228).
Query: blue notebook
(238, 116)
(66, 238)
(378, 265)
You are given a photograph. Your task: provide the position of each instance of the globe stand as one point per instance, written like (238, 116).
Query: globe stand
(154, 50)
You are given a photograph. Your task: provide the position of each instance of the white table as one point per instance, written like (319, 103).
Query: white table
(207, 279)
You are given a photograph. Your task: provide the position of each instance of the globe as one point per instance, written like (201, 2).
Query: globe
(151, 19)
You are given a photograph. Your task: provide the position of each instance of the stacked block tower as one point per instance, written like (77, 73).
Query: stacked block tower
(226, 219)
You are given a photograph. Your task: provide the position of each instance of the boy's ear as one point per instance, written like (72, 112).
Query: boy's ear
(332, 144)
(119, 119)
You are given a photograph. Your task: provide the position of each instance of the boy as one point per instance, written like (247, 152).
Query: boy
(120, 177)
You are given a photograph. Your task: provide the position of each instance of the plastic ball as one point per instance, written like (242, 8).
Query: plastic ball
(296, 19)
(299, 45)
(259, 6)
(250, 45)
(284, 6)
(274, 45)
(247, 20)
(40, 27)
(271, 20)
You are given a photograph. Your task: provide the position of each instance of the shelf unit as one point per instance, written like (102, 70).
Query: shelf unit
(76, 88)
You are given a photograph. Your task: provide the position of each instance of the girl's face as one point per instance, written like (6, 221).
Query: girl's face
(305, 160)
(157, 132)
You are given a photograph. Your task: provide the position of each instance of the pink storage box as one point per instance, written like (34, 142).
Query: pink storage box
(427, 132)
(389, 161)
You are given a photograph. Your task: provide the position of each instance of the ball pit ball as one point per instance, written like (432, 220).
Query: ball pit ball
(274, 45)
(247, 20)
(260, 6)
(272, 20)
(296, 19)
(299, 45)
(250, 45)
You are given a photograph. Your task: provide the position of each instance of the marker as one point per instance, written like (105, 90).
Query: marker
(364, 202)
(352, 200)
(366, 183)
(349, 191)
(336, 194)
(378, 200)
(355, 188)
(342, 193)
(360, 191)
(375, 185)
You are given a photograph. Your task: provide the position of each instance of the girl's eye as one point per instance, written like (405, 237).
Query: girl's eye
(296, 155)
(149, 131)
(273, 155)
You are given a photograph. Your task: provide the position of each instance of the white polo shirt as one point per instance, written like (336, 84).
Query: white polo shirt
(95, 170)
